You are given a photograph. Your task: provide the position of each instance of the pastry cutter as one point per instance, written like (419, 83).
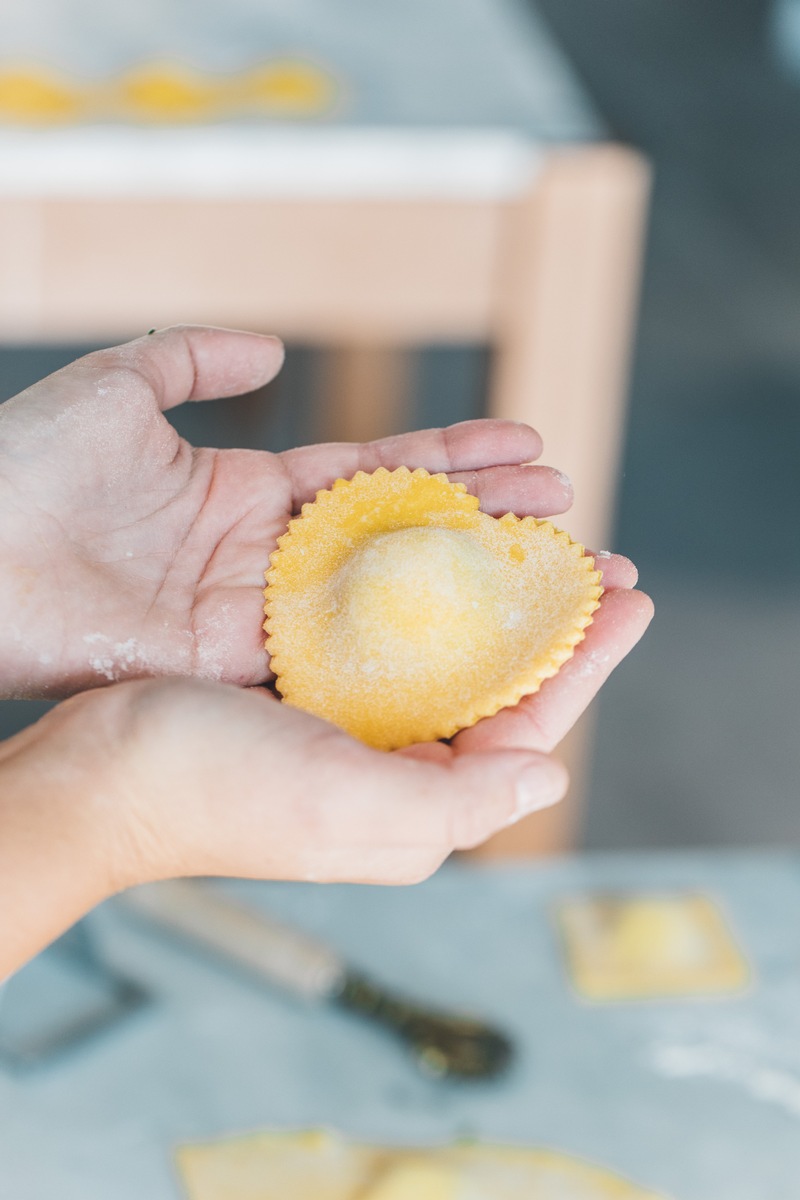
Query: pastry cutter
(443, 1044)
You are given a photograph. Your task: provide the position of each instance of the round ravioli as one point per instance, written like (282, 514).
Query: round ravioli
(400, 612)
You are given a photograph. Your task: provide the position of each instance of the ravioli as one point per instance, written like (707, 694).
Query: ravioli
(401, 613)
(315, 1165)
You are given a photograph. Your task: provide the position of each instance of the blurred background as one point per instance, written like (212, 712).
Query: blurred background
(697, 740)
(582, 213)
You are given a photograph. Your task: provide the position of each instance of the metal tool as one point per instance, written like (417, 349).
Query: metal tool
(443, 1044)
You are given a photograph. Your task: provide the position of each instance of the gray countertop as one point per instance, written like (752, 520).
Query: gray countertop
(696, 1099)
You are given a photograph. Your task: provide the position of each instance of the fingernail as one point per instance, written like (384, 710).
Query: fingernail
(564, 480)
(602, 554)
(536, 788)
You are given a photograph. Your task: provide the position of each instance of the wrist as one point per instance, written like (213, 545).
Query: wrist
(60, 846)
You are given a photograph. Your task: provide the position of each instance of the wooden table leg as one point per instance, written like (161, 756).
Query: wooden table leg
(21, 265)
(567, 294)
(364, 392)
(567, 298)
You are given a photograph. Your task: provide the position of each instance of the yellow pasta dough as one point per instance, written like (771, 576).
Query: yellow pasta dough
(164, 92)
(400, 612)
(299, 1166)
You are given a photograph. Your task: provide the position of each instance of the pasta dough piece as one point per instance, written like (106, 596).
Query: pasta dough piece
(323, 1166)
(400, 612)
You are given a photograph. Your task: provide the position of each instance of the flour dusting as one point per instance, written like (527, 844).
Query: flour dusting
(738, 1065)
(115, 660)
(216, 643)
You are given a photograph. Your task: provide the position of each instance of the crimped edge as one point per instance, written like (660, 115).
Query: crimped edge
(528, 683)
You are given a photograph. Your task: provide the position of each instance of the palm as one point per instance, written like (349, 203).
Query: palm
(132, 552)
(170, 579)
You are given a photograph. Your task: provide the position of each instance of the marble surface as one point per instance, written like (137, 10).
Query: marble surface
(698, 1100)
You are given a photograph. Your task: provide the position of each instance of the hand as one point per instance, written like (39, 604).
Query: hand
(155, 779)
(126, 553)
(152, 779)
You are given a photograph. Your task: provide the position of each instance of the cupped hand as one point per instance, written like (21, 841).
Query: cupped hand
(126, 553)
(156, 778)
(230, 781)
(160, 778)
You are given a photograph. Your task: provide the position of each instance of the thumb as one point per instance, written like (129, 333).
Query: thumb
(408, 811)
(490, 790)
(371, 817)
(196, 362)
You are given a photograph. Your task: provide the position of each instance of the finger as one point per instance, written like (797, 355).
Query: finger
(193, 362)
(539, 722)
(481, 814)
(468, 446)
(524, 490)
(481, 803)
(616, 570)
(409, 801)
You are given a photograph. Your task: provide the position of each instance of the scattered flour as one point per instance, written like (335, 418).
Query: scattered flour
(114, 660)
(732, 1064)
(215, 641)
(590, 662)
